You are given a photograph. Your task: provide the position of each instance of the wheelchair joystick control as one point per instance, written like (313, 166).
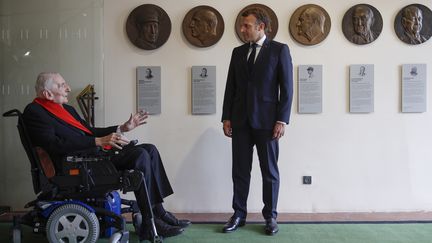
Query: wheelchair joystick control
(131, 144)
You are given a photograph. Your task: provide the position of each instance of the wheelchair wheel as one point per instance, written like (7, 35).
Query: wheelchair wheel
(72, 223)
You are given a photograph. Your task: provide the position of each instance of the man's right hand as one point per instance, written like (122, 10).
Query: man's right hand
(227, 128)
(115, 140)
(134, 121)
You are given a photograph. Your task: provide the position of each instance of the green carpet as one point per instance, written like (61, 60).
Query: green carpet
(288, 233)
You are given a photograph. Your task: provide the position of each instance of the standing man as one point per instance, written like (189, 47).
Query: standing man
(256, 108)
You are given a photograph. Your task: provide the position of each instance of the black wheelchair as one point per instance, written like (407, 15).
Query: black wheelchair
(81, 203)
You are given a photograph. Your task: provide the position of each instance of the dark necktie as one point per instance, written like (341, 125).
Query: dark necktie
(251, 59)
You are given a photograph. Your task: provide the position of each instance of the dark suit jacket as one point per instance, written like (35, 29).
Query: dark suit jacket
(56, 136)
(264, 96)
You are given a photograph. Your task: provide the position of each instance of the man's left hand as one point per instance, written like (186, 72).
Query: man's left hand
(278, 130)
(134, 121)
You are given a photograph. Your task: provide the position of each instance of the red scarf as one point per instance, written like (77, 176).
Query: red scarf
(60, 112)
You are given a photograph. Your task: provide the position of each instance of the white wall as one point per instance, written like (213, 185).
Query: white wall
(359, 162)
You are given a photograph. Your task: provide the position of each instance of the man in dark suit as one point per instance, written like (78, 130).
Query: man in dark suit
(256, 108)
(57, 128)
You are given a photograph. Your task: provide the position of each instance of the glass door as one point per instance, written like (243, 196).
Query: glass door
(45, 35)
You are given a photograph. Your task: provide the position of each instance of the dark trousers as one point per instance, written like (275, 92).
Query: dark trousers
(243, 140)
(146, 158)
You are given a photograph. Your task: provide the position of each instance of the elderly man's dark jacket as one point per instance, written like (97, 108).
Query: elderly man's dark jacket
(57, 137)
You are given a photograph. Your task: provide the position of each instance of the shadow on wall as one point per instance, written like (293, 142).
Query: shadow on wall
(205, 175)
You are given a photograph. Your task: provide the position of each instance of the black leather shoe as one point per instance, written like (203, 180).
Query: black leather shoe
(167, 230)
(170, 219)
(271, 227)
(233, 223)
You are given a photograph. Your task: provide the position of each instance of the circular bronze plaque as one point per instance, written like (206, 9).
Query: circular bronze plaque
(271, 29)
(310, 24)
(203, 26)
(413, 24)
(148, 26)
(362, 24)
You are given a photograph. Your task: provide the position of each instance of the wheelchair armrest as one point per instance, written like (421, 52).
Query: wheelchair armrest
(77, 159)
(88, 155)
(90, 152)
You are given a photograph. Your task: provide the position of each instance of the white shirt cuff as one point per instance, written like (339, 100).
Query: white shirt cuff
(118, 131)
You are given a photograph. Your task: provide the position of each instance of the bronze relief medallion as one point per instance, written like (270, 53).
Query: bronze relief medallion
(362, 24)
(148, 26)
(271, 30)
(413, 24)
(203, 26)
(310, 24)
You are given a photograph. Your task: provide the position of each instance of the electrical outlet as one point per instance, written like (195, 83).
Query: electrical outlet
(307, 180)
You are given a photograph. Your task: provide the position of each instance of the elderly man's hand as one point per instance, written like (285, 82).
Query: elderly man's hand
(134, 121)
(115, 140)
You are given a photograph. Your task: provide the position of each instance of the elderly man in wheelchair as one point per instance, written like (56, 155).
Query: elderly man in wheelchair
(81, 166)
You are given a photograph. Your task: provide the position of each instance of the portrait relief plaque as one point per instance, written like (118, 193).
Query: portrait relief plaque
(148, 26)
(271, 30)
(413, 24)
(361, 88)
(362, 24)
(310, 24)
(203, 26)
(149, 89)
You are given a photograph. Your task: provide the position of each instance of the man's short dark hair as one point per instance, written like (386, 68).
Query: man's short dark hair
(261, 17)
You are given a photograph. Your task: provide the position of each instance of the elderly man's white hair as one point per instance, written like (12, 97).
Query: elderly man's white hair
(44, 81)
